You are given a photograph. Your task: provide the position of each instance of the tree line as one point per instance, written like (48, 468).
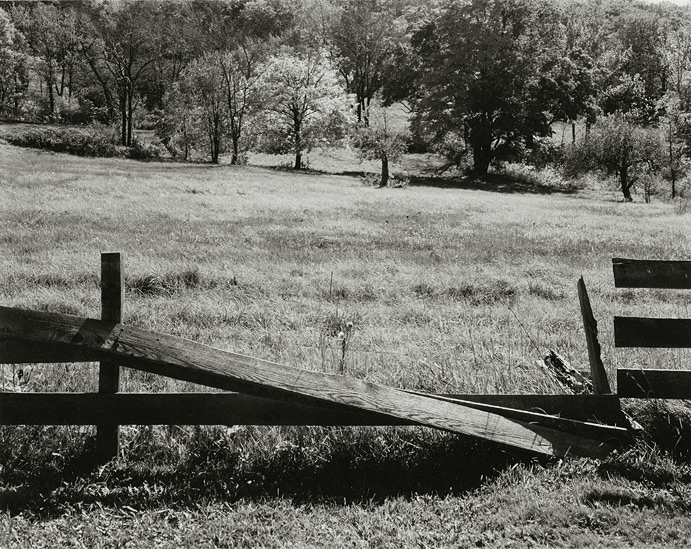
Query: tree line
(482, 80)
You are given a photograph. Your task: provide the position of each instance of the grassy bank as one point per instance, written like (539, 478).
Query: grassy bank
(451, 285)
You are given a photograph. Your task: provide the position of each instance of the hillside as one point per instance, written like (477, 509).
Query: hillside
(452, 285)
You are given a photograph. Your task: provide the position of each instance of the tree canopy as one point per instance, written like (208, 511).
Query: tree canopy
(483, 80)
(482, 66)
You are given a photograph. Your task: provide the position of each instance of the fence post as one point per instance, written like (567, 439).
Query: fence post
(112, 293)
(597, 369)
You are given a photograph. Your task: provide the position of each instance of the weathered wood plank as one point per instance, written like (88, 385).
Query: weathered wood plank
(191, 361)
(18, 352)
(640, 273)
(598, 375)
(637, 383)
(585, 408)
(227, 409)
(172, 409)
(642, 383)
(112, 298)
(589, 408)
(652, 332)
(585, 429)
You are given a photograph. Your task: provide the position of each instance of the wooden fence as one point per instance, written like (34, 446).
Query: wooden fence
(264, 393)
(652, 332)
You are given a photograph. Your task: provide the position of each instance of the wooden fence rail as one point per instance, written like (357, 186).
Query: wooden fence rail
(265, 393)
(190, 361)
(652, 332)
(649, 273)
(224, 408)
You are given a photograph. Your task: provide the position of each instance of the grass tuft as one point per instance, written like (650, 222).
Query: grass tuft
(485, 292)
(169, 284)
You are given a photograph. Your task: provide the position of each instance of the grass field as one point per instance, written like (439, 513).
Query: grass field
(452, 285)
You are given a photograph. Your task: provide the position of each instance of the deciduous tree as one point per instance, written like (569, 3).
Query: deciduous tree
(120, 51)
(204, 85)
(378, 140)
(481, 68)
(617, 146)
(13, 70)
(239, 68)
(363, 35)
(304, 103)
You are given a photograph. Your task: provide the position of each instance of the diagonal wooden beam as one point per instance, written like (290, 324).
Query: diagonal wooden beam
(190, 361)
(595, 431)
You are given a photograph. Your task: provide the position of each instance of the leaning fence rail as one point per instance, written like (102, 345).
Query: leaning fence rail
(264, 393)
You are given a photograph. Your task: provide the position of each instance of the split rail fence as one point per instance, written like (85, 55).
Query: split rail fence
(653, 332)
(258, 392)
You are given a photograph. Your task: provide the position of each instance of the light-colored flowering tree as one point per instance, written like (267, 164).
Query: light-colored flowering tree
(380, 139)
(304, 104)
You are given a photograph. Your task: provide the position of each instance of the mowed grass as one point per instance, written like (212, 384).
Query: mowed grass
(451, 285)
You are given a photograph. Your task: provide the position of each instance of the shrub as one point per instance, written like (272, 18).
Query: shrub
(91, 141)
(141, 150)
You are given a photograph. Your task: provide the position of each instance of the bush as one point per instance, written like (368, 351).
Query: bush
(95, 140)
(141, 150)
(92, 141)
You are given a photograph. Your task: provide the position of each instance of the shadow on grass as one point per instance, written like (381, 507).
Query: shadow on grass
(352, 467)
(497, 183)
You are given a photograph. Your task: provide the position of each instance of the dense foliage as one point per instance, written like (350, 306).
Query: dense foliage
(484, 80)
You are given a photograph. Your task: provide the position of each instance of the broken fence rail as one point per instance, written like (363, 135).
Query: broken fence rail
(190, 361)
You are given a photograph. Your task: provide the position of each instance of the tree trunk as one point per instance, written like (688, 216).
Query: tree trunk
(215, 138)
(672, 167)
(482, 157)
(365, 111)
(384, 171)
(123, 118)
(573, 132)
(625, 185)
(480, 134)
(130, 115)
(51, 94)
(297, 123)
(236, 149)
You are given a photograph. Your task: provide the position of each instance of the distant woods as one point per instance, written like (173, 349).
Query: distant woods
(481, 81)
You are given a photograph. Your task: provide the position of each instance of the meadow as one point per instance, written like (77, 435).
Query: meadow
(451, 285)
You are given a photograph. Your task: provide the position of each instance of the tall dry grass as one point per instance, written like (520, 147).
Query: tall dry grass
(450, 285)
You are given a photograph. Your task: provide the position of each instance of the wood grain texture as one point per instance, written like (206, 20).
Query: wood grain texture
(589, 408)
(18, 352)
(172, 409)
(187, 360)
(652, 332)
(640, 273)
(598, 375)
(112, 298)
(231, 409)
(216, 408)
(585, 429)
(637, 383)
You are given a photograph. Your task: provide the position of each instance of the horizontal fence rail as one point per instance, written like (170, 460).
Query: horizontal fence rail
(673, 333)
(239, 409)
(636, 383)
(190, 361)
(639, 273)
